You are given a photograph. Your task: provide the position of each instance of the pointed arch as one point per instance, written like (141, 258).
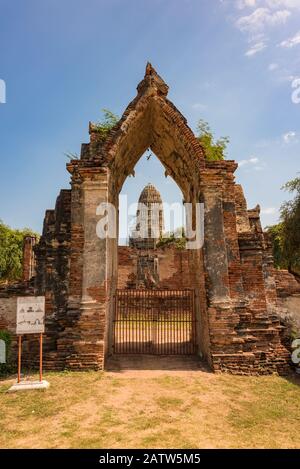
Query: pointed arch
(152, 121)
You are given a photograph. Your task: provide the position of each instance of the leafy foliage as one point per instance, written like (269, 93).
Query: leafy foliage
(176, 239)
(290, 217)
(214, 150)
(285, 235)
(11, 251)
(275, 233)
(104, 126)
(71, 156)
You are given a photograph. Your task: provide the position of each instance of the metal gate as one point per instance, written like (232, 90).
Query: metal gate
(158, 322)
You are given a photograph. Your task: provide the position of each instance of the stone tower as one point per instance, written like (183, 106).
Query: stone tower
(149, 219)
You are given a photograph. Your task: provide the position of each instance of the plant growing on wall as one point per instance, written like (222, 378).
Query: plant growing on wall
(214, 149)
(175, 238)
(108, 121)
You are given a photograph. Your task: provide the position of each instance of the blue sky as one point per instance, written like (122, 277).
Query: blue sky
(231, 63)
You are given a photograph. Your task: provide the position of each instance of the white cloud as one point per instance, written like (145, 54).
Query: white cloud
(199, 106)
(273, 67)
(290, 137)
(268, 211)
(258, 47)
(285, 76)
(253, 164)
(274, 4)
(250, 161)
(283, 3)
(256, 19)
(246, 4)
(262, 18)
(292, 41)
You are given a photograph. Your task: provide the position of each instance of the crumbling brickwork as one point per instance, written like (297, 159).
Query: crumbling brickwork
(288, 290)
(28, 257)
(173, 267)
(8, 309)
(232, 274)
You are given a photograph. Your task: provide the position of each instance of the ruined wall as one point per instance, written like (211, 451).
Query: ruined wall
(173, 267)
(8, 303)
(236, 300)
(8, 309)
(286, 283)
(28, 257)
(288, 289)
(52, 276)
(244, 326)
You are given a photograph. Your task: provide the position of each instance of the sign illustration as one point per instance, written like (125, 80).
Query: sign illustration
(30, 314)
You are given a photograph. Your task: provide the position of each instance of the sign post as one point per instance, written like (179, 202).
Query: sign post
(19, 357)
(2, 351)
(41, 357)
(30, 320)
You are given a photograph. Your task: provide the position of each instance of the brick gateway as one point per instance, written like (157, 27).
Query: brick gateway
(235, 305)
(156, 322)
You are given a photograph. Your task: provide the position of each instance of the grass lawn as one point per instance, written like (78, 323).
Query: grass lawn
(152, 409)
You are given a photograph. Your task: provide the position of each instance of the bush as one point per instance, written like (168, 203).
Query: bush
(11, 252)
(215, 150)
(104, 126)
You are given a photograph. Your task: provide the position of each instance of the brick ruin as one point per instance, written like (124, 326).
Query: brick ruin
(141, 257)
(239, 329)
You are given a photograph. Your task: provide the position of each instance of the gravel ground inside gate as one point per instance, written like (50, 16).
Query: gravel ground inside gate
(166, 408)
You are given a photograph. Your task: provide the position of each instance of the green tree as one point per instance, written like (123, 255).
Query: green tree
(285, 236)
(175, 238)
(108, 121)
(103, 128)
(290, 217)
(214, 150)
(11, 251)
(275, 233)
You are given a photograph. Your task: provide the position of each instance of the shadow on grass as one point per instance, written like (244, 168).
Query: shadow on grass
(120, 363)
(293, 377)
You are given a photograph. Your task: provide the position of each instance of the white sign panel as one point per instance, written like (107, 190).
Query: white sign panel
(296, 352)
(2, 351)
(30, 314)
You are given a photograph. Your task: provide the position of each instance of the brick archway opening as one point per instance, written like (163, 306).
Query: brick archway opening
(233, 274)
(158, 295)
(151, 122)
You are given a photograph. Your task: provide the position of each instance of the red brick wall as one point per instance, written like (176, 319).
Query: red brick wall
(173, 267)
(28, 257)
(286, 283)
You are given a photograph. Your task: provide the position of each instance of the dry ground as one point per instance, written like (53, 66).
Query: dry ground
(152, 409)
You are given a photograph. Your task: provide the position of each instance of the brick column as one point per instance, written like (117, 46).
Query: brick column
(90, 347)
(215, 257)
(85, 333)
(28, 257)
(222, 317)
(269, 275)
